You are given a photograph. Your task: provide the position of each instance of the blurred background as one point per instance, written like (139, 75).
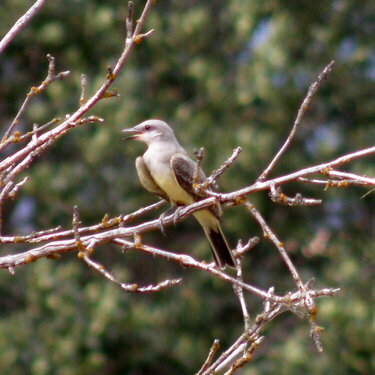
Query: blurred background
(223, 74)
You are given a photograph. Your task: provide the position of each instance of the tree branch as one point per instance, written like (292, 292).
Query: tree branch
(301, 112)
(20, 24)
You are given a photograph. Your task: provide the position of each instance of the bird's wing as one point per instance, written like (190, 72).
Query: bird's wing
(147, 180)
(184, 169)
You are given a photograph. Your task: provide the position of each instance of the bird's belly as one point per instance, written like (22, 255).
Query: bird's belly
(168, 183)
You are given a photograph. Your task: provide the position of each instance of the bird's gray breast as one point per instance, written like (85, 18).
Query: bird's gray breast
(158, 162)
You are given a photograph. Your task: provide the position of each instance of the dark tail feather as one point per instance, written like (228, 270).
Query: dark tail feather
(222, 254)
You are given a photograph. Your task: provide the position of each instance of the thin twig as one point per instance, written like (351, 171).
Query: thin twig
(368, 193)
(247, 356)
(302, 110)
(352, 177)
(251, 336)
(305, 289)
(239, 292)
(20, 24)
(278, 196)
(242, 249)
(75, 224)
(268, 233)
(131, 288)
(129, 22)
(199, 156)
(214, 348)
(227, 164)
(51, 77)
(83, 97)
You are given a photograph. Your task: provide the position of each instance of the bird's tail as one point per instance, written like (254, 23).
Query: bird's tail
(212, 228)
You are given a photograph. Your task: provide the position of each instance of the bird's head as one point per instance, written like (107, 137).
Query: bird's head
(150, 131)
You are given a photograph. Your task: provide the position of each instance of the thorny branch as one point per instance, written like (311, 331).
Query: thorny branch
(50, 243)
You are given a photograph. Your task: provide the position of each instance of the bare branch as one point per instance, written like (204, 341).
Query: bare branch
(71, 120)
(199, 156)
(246, 356)
(51, 77)
(302, 110)
(239, 292)
(351, 178)
(129, 22)
(294, 176)
(235, 196)
(131, 288)
(214, 348)
(75, 224)
(251, 338)
(242, 249)
(82, 99)
(188, 261)
(268, 234)
(278, 196)
(114, 235)
(227, 164)
(106, 223)
(20, 24)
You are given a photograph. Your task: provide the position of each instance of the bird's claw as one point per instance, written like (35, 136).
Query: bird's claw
(177, 215)
(161, 223)
(162, 218)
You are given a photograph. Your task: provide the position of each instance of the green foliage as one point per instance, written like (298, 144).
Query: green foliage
(224, 74)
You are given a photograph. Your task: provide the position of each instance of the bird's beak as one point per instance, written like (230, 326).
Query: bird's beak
(133, 133)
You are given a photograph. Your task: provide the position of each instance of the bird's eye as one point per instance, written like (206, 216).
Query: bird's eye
(147, 127)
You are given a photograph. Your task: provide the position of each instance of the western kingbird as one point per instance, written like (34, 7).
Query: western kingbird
(166, 170)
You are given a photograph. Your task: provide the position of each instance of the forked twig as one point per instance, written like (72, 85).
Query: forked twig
(36, 90)
(128, 287)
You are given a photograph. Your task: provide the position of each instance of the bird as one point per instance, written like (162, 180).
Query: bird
(166, 169)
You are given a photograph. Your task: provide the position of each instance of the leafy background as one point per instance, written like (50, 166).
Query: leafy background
(224, 74)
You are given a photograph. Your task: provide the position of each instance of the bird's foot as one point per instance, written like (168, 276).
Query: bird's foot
(177, 215)
(162, 219)
(161, 223)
